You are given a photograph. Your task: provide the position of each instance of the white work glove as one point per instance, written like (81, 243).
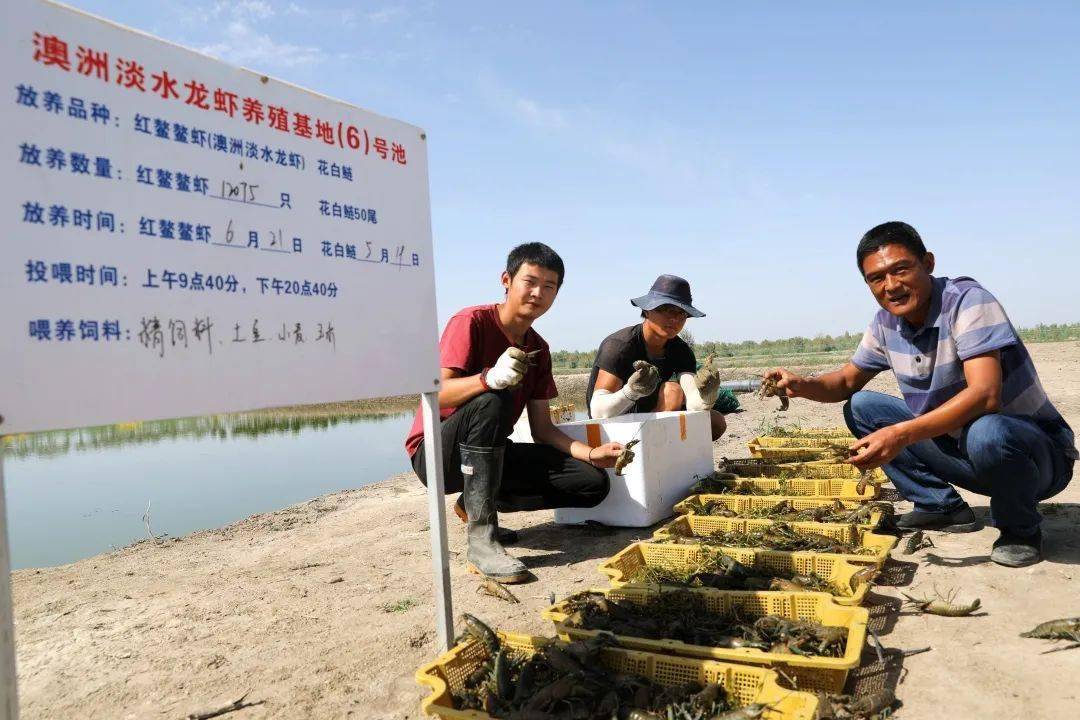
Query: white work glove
(642, 382)
(508, 370)
(702, 394)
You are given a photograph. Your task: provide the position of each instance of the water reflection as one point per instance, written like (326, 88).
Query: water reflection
(60, 442)
(78, 493)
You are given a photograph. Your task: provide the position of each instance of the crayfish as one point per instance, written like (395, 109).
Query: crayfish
(625, 457)
(769, 389)
(917, 542)
(1063, 629)
(943, 606)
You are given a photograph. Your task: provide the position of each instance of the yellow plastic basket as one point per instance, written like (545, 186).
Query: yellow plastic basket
(812, 432)
(701, 525)
(834, 569)
(798, 453)
(744, 504)
(817, 469)
(830, 488)
(747, 684)
(810, 673)
(801, 441)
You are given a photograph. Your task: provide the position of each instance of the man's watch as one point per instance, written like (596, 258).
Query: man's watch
(483, 378)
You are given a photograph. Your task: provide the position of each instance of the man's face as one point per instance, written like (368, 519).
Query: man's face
(531, 291)
(900, 281)
(667, 320)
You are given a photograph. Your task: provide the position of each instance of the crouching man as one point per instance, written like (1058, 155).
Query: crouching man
(974, 414)
(493, 365)
(647, 367)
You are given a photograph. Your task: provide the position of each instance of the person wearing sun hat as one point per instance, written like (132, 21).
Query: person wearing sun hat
(647, 367)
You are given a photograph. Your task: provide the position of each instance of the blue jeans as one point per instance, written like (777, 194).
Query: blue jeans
(1007, 457)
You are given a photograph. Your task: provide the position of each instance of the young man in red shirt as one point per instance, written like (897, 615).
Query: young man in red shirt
(493, 365)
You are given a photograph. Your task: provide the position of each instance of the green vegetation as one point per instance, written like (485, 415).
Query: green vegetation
(398, 606)
(1058, 332)
(223, 427)
(822, 349)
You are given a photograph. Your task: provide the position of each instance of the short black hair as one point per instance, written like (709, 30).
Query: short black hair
(893, 232)
(535, 253)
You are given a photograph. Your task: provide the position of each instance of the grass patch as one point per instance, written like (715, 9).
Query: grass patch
(398, 606)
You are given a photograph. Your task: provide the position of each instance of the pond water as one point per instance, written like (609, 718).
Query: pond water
(74, 494)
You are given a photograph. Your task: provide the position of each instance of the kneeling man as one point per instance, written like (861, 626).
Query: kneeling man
(974, 414)
(493, 364)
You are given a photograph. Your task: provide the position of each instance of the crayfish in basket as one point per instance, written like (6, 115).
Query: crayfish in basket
(569, 680)
(683, 616)
(777, 536)
(840, 452)
(717, 570)
(835, 512)
(724, 483)
(750, 467)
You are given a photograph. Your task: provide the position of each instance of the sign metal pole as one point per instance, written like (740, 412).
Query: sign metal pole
(9, 693)
(440, 557)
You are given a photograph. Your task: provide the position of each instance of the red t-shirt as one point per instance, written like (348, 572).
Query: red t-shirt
(473, 340)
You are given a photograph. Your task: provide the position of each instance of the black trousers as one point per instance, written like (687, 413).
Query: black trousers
(534, 476)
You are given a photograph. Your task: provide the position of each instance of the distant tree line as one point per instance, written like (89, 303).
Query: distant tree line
(819, 344)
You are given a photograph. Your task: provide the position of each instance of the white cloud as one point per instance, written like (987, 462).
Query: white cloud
(385, 15)
(246, 45)
(542, 117)
(520, 107)
(629, 154)
(295, 9)
(244, 9)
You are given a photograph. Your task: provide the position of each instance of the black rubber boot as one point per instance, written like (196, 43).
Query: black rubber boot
(505, 536)
(1017, 550)
(482, 468)
(961, 520)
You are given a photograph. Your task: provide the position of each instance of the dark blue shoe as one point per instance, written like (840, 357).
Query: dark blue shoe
(961, 520)
(1017, 550)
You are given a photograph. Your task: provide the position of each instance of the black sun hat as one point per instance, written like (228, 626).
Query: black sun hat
(668, 290)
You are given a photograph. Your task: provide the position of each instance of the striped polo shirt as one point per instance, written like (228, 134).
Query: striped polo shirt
(964, 321)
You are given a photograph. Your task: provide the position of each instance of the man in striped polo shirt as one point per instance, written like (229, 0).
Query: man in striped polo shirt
(974, 414)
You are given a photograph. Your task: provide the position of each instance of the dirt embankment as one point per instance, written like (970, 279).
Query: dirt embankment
(323, 609)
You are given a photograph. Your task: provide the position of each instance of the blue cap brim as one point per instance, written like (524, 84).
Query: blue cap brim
(652, 301)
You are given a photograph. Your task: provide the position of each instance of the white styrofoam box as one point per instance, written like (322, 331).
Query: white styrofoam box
(522, 433)
(674, 448)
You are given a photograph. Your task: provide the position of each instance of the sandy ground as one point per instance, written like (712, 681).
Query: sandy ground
(323, 609)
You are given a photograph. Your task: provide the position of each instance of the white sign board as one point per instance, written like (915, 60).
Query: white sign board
(181, 237)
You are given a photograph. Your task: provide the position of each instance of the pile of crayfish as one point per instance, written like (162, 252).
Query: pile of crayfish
(835, 512)
(721, 483)
(718, 570)
(569, 680)
(683, 616)
(777, 536)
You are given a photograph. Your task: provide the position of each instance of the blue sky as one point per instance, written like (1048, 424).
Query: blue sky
(744, 146)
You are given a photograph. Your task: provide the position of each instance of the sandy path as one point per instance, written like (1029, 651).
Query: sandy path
(322, 609)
